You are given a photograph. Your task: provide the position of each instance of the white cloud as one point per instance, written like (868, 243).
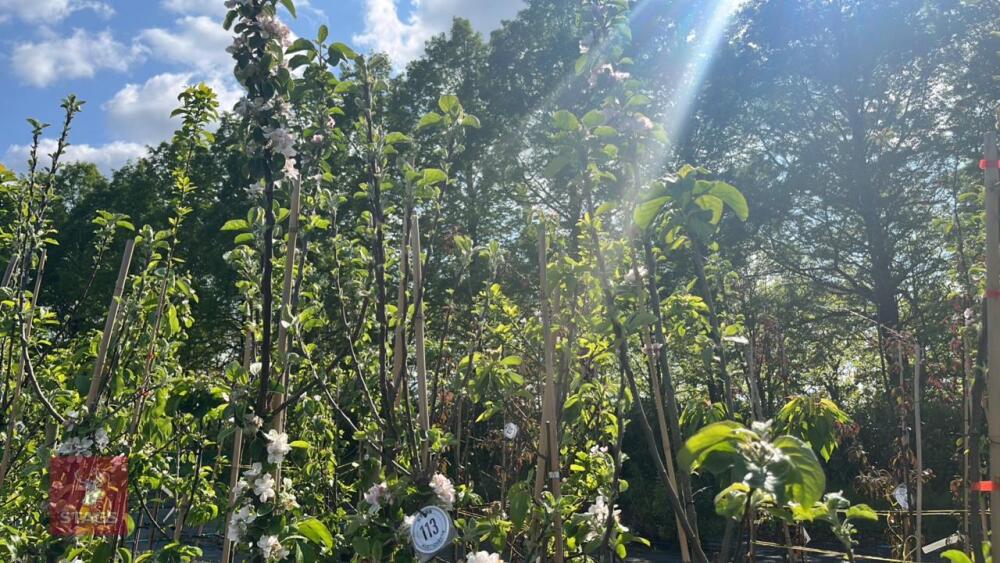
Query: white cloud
(404, 41)
(204, 7)
(141, 112)
(197, 42)
(79, 55)
(107, 157)
(49, 11)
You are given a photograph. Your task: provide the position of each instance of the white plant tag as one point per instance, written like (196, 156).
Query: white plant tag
(431, 531)
(902, 496)
(510, 431)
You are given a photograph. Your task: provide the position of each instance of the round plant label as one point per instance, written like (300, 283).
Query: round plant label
(431, 530)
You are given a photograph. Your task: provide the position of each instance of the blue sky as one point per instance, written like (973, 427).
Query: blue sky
(128, 59)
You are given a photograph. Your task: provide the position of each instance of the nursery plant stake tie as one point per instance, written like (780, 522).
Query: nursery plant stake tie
(984, 486)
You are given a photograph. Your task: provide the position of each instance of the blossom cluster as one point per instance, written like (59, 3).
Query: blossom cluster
(483, 557)
(444, 490)
(597, 517)
(81, 445)
(260, 485)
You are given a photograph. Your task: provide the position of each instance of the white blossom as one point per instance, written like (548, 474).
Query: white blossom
(277, 446)
(263, 487)
(290, 171)
(101, 439)
(375, 496)
(253, 472)
(644, 123)
(281, 141)
(271, 548)
(631, 276)
(286, 499)
(239, 521)
(75, 447)
(598, 514)
(240, 488)
(253, 423)
(407, 524)
(483, 557)
(444, 490)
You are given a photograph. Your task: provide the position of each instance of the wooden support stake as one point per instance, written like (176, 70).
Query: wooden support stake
(109, 328)
(548, 450)
(661, 419)
(15, 406)
(992, 177)
(237, 457)
(418, 336)
(918, 436)
(399, 334)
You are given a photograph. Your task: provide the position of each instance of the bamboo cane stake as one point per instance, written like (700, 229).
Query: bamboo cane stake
(237, 457)
(543, 443)
(418, 335)
(15, 410)
(918, 436)
(9, 271)
(278, 399)
(992, 181)
(661, 418)
(399, 335)
(286, 298)
(109, 327)
(548, 462)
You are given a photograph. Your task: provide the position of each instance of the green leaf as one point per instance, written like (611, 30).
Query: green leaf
(593, 118)
(449, 104)
(236, 225)
(290, 6)
(731, 197)
(300, 44)
(520, 501)
(565, 120)
(956, 556)
(300, 444)
(316, 532)
(429, 119)
(605, 131)
(433, 176)
(861, 512)
(647, 211)
(638, 100)
(471, 121)
(713, 204)
(396, 137)
(731, 501)
(714, 448)
(174, 322)
(806, 481)
(344, 51)
(324, 32)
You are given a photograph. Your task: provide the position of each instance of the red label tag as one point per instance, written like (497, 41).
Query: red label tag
(984, 164)
(88, 496)
(982, 486)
